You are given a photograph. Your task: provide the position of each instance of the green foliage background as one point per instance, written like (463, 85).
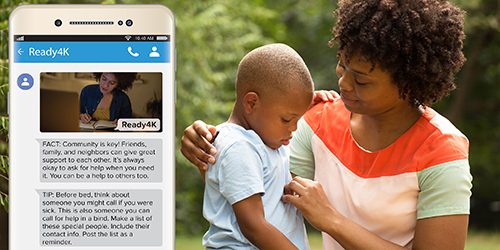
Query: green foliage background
(213, 35)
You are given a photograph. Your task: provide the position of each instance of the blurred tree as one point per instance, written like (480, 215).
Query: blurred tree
(6, 8)
(475, 106)
(307, 29)
(306, 26)
(212, 37)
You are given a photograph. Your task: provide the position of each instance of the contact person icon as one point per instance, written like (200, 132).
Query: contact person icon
(154, 53)
(25, 81)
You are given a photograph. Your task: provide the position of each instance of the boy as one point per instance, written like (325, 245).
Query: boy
(243, 188)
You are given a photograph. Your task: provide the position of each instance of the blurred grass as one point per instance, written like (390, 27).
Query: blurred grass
(476, 240)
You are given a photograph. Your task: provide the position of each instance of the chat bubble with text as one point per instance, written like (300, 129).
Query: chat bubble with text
(100, 160)
(93, 217)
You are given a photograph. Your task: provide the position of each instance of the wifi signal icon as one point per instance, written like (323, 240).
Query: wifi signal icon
(128, 37)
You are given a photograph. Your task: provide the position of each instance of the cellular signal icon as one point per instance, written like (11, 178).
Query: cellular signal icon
(21, 38)
(128, 37)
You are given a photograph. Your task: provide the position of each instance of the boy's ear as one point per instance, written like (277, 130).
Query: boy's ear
(250, 102)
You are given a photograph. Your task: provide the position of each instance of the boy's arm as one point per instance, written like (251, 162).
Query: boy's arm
(250, 215)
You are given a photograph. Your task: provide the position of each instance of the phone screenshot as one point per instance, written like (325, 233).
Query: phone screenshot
(91, 106)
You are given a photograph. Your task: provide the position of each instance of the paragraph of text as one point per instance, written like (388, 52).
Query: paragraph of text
(100, 217)
(80, 160)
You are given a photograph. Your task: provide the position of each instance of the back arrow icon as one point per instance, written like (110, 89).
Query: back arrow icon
(20, 51)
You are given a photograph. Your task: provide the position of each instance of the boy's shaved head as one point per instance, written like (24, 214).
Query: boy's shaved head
(272, 69)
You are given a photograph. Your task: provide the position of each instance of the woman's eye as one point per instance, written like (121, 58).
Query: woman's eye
(359, 83)
(285, 120)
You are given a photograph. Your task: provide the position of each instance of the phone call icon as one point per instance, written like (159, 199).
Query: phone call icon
(132, 53)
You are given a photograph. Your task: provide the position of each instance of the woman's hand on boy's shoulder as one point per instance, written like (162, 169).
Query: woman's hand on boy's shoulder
(324, 96)
(196, 144)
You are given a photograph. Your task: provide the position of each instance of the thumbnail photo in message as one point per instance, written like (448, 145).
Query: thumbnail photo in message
(100, 102)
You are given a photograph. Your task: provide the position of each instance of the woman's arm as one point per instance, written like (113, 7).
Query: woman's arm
(195, 143)
(442, 232)
(250, 215)
(120, 107)
(84, 113)
(126, 111)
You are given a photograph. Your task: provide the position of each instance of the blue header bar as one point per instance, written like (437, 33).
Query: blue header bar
(92, 52)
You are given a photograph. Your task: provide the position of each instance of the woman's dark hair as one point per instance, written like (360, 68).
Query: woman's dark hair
(417, 42)
(124, 79)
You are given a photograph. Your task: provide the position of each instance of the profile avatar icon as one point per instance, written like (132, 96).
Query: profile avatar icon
(25, 81)
(154, 53)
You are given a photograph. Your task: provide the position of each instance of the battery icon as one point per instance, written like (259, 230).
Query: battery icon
(162, 38)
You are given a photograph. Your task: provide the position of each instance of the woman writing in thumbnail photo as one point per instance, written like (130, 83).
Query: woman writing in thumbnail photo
(107, 100)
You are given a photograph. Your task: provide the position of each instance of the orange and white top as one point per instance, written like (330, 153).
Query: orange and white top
(424, 173)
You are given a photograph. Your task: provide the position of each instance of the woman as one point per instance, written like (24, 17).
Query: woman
(390, 173)
(106, 100)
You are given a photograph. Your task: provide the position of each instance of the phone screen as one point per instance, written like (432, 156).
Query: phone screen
(92, 95)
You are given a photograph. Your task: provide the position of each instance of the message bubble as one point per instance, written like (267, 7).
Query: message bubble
(137, 124)
(99, 160)
(100, 217)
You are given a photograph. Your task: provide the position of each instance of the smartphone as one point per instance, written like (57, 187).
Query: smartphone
(91, 106)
